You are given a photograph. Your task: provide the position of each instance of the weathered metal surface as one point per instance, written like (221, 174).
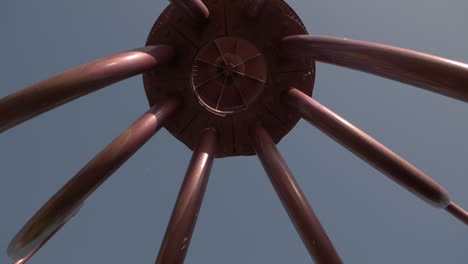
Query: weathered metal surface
(184, 216)
(367, 148)
(194, 8)
(66, 201)
(69, 85)
(294, 201)
(422, 70)
(255, 85)
(253, 8)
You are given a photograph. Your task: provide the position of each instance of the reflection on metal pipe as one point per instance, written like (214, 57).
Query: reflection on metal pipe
(367, 148)
(184, 216)
(195, 8)
(307, 224)
(38, 247)
(426, 71)
(72, 84)
(66, 201)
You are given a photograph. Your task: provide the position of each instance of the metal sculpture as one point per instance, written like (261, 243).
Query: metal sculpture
(227, 84)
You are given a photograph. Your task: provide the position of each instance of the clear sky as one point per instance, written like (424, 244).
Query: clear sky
(369, 218)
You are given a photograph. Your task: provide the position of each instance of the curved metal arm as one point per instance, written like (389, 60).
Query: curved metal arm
(38, 247)
(184, 216)
(72, 84)
(426, 71)
(294, 201)
(65, 202)
(195, 8)
(367, 148)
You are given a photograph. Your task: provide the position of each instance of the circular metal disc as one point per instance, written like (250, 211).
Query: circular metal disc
(219, 72)
(228, 73)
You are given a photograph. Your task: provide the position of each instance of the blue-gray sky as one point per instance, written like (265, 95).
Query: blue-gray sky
(368, 217)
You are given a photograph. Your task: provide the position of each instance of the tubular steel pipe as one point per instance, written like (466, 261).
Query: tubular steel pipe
(65, 202)
(195, 8)
(184, 216)
(367, 148)
(72, 84)
(307, 224)
(436, 74)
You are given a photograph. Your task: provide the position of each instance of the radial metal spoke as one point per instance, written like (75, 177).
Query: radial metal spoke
(307, 224)
(184, 216)
(210, 63)
(221, 93)
(195, 8)
(64, 87)
(66, 201)
(209, 79)
(426, 71)
(248, 76)
(247, 60)
(370, 150)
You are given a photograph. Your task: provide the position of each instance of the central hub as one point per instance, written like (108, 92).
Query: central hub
(228, 74)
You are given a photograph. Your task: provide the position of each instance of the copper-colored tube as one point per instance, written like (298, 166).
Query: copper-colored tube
(64, 203)
(184, 216)
(38, 247)
(195, 8)
(460, 213)
(307, 224)
(426, 71)
(72, 84)
(367, 148)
